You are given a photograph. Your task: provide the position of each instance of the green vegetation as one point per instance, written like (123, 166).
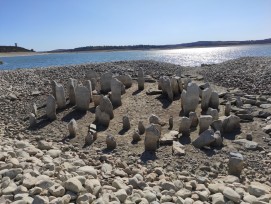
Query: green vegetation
(14, 49)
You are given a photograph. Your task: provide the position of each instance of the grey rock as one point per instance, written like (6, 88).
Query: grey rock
(185, 124)
(51, 107)
(140, 79)
(111, 142)
(106, 82)
(152, 136)
(236, 163)
(72, 127)
(204, 122)
(204, 139)
(82, 97)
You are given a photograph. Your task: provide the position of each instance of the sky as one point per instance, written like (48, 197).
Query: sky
(45, 25)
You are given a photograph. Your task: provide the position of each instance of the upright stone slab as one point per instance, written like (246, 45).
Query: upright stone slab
(116, 92)
(73, 128)
(236, 164)
(34, 109)
(72, 85)
(106, 82)
(140, 79)
(87, 84)
(194, 119)
(185, 124)
(213, 113)
(206, 138)
(111, 142)
(239, 102)
(170, 122)
(126, 123)
(60, 96)
(214, 101)
(228, 109)
(141, 128)
(82, 97)
(106, 106)
(175, 86)
(204, 122)
(102, 117)
(190, 98)
(180, 84)
(53, 85)
(126, 80)
(186, 82)
(168, 88)
(231, 123)
(205, 99)
(32, 120)
(51, 107)
(136, 136)
(152, 136)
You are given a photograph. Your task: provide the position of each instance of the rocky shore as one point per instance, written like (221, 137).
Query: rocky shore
(43, 164)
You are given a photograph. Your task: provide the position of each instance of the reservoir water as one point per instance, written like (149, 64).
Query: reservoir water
(185, 57)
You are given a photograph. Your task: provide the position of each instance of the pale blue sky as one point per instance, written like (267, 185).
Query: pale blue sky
(54, 24)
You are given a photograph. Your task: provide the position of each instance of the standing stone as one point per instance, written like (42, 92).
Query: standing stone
(239, 102)
(34, 109)
(89, 87)
(72, 127)
(236, 163)
(213, 113)
(51, 107)
(116, 92)
(194, 119)
(106, 82)
(72, 85)
(190, 98)
(96, 99)
(180, 84)
(82, 98)
(228, 109)
(140, 79)
(126, 123)
(111, 142)
(185, 124)
(53, 84)
(204, 122)
(217, 125)
(230, 123)
(218, 139)
(205, 99)
(103, 118)
(136, 136)
(168, 88)
(160, 82)
(89, 139)
(106, 106)
(32, 120)
(141, 128)
(214, 101)
(179, 72)
(60, 96)
(152, 136)
(206, 138)
(92, 76)
(186, 82)
(170, 122)
(126, 80)
(175, 86)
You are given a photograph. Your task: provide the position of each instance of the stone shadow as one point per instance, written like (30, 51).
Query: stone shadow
(185, 140)
(165, 102)
(231, 135)
(136, 92)
(42, 122)
(148, 155)
(74, 114)
(208, 151)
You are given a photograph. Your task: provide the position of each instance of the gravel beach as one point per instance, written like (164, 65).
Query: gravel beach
(42, 164)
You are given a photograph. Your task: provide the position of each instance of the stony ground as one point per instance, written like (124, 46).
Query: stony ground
(43, 165)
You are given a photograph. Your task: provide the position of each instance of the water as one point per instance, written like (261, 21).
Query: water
(185, 57)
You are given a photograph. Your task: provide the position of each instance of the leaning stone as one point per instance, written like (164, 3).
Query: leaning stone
(205, 99)
(106, 82)
(214, 100)
(140, 79)
(204, 139)
(116, 92)
(51, 107)
(141, 127)
(126, 123)
(32, 120)
(136, 136)
(231, 123)
(126, 80)
(34, 109)
(213, 113)
(236, 163)
(185, 124)
(73, 128)
(82, 96)
(170, 122)
(152, 136)
(227, 109)
(111, 142)
(190, 98)
(60, 96)
(204, 122)
(194, 119)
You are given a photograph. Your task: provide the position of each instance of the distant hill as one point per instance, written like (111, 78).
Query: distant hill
(14, 49)
(174, 46)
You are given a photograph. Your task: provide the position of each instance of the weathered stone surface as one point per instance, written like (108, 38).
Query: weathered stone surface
(180, 83)
(175, 86)
(170, 122)
(152, 136)
(236, 163)
(126, 80)
(71, 87)
(106, 82)
(194, 119)
(227, 109)
(96, 99)
(168, 88)
(190, 98)
(73, 184)
(103, 118)
(204, 139)
(231, 123)
(51, 107)
(205, 99)
(34, 109)
(111, 142)
(214, 100)
(116, 92)
(53, 85)
(250, 145)
(155, 120)
(140, 79)
(267, 129)
(258, 189)
(218, 140)
(72, 127)
(136, 136)
(186, 81)
(217, 125)
(82, 97)
(126, 123)
(60, 96)
(178, 149)
(106, 106)
(32, 120)
(204, 122)
(167, 138)
(185, 124)
(231, 195)
(141, 128)
(87, 84)
(213, 113)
